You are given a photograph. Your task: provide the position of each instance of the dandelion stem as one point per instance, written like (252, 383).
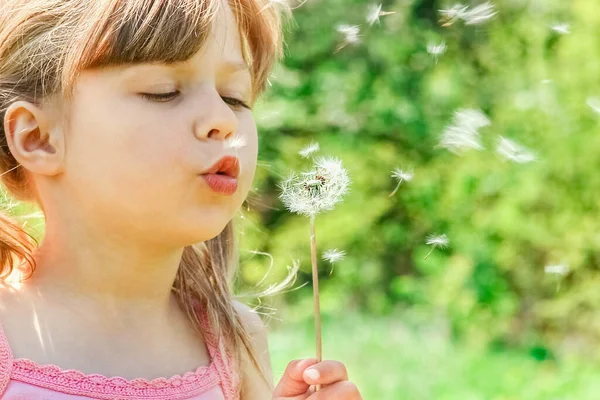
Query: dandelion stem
(315, 274)
(395, 190)
(430, 251)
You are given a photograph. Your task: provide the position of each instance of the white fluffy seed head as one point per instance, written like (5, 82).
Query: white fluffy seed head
(440, 241)
(334, 255)
(317, 190)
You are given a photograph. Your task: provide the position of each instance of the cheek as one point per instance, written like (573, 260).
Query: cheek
(131, 153)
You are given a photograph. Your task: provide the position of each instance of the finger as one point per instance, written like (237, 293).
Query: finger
(344, 390)
(291, 383)
(325, 372)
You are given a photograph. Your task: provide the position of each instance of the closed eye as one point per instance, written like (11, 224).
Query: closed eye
(236, 102)
(165, 97)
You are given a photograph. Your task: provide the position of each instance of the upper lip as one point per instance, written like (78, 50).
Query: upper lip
(229, 165)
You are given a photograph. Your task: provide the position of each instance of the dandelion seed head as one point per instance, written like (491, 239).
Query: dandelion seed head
(334, 255)
(477, 15)
(514, 151)
(350, 33)
(558, 269)
(440, 241)
(236, 142)
(436, 49)
(454, 13)
(562, 27)
(463, 133)
(374, 13)
(320, 189)
(402, 175)
(308, 150)
(480, 14)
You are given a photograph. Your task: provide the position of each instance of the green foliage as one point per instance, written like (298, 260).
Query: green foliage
(383, 104)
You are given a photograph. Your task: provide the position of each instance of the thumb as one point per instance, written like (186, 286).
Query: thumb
(292, 383)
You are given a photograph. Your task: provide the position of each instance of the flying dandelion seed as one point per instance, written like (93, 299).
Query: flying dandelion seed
(453, 14)
(562, 28)
(559, 271)
(236, 142)
(480, 14)
(463, 133)
(475, 16)
(308, 150)
(333, 256)
(350, 35)
(514, 151)
(594, 104)
(436, 50)
(401, 176)
(375, 13)
(437, 241)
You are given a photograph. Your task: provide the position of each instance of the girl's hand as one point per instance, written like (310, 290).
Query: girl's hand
(297, 384)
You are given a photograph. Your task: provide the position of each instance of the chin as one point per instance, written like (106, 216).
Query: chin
(202, 232)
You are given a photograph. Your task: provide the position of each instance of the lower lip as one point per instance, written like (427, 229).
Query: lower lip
(221, 184)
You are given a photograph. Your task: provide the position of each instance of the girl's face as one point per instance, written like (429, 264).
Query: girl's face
(134, 163)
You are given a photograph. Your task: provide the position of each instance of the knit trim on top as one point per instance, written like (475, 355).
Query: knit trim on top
(193, 383)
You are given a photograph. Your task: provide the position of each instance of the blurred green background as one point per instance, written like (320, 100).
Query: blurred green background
(484, 318)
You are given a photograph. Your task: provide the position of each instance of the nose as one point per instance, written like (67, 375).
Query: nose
(216, 119)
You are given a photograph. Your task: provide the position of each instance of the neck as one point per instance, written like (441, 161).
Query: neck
(105, 272)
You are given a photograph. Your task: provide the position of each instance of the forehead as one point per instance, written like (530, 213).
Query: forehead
(224, 44)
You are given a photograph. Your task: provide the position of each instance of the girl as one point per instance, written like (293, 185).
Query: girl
(118, 117)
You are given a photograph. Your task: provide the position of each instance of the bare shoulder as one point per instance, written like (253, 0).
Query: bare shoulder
(251, 320)
(253, 385)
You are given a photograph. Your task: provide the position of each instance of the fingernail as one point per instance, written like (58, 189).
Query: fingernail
(312, 373)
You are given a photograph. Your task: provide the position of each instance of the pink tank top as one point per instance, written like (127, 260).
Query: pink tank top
(22, 379)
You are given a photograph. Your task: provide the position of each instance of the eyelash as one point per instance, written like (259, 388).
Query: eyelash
(164, 97)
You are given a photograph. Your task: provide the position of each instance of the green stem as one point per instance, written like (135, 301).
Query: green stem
(315, 274)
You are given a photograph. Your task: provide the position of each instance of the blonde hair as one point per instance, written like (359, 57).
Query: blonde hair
(44, 44)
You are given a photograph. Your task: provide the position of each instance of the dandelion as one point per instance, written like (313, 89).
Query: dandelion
(334, 256)
(436, 241)
(480, 14)
(453, 14)
(401, 176)
(236, 142)
(350, 35)
(375, 13)
(559, 271)
(308, 150)
(477, 15)
(309, 194)
(513, 151)
(436, 50)
(594, 104)
(563, 28)
(463, 133)
(318, 190)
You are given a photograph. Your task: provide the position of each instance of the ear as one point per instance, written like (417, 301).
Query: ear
(33, 141)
